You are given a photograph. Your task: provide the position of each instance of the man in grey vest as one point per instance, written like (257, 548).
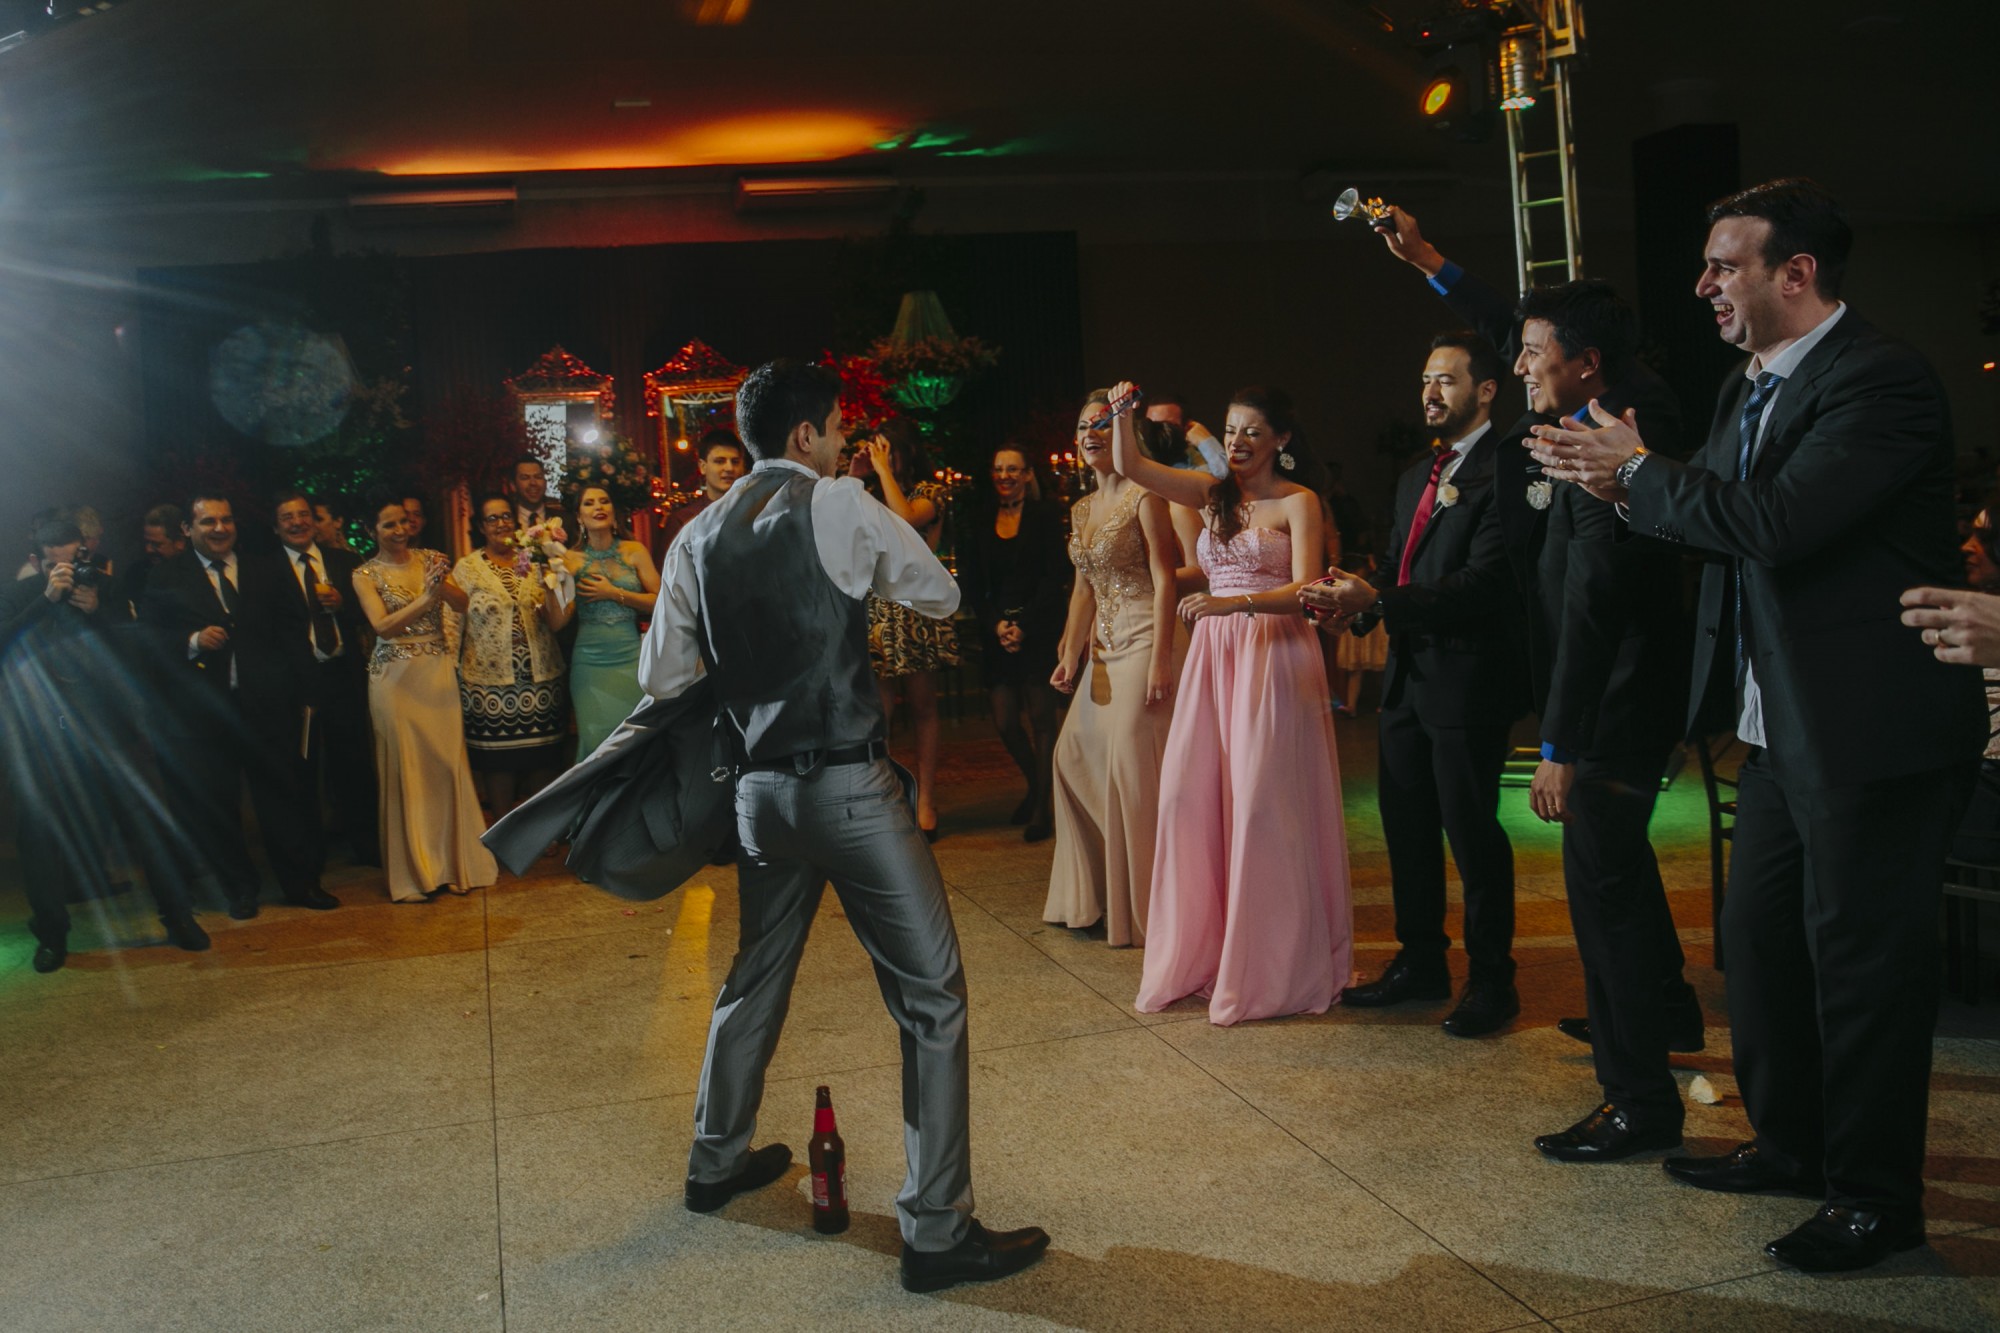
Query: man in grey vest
(765, 591)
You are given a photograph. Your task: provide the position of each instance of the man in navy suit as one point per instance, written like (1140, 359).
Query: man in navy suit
(1824, 491)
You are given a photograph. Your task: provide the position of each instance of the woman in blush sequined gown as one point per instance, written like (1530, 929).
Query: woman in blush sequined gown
(615, 584)
(1250, 893)
(1118, 659)
(429, 810)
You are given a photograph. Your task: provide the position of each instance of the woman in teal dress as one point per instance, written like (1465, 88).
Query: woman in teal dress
(615, 585)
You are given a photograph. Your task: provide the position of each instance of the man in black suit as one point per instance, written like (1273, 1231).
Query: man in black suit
(342, 738)
(1825, 490)
(237, 674)
(1608, 648)
(1452, 688)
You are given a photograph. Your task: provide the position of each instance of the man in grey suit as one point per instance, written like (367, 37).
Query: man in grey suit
(765, 590)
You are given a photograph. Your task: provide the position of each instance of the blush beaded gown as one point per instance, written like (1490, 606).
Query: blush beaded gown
(1250, 890)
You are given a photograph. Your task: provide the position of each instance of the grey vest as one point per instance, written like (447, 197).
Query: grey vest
(787, 649)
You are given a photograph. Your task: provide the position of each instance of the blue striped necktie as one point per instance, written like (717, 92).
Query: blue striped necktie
(1747, 425)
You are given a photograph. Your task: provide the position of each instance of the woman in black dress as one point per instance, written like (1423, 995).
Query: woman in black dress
(1017, 578)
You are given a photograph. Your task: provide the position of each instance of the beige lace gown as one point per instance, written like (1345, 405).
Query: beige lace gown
(430, 811)
(1107, 770)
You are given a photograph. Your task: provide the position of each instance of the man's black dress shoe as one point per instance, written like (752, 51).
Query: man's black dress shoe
(242, 909)
(313, 899)
(1023, 812)
(48, 958)
(1607, 1135)
(183, 933)
(1683, 1035)
(763, 1166)
(1484, 1009)
(1839, 1240)
(1399, 984)
(1744, 1171)
(982, 1256)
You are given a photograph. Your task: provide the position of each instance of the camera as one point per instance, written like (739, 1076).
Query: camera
(85, 572)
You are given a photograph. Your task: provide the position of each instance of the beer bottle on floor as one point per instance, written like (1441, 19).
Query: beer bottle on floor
(828, 1157)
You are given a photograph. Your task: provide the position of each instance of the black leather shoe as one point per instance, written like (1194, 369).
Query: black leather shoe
(1023, 812)
(314, 899)
(763, 1166)
(981, 1257)
(1606, 1135)
(1484, 1009)
(1683, 1036)
(1399, 984)
(242, 909)
(1744, 1171)
(183, 933)
(1840, 1240)
(48, 958)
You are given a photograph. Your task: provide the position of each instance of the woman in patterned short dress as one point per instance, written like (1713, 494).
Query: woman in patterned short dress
(429, 811)
(907, 650)
(510, 669)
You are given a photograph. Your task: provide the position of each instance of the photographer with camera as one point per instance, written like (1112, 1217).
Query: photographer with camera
(80, 793)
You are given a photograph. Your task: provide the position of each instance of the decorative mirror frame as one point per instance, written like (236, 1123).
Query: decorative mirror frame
(559, 377)
(694, 378)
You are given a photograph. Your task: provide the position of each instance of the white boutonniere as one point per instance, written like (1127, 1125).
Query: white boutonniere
(1540, 493)
(1447, 495)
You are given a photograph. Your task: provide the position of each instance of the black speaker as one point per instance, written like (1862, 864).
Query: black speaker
(1676, 174)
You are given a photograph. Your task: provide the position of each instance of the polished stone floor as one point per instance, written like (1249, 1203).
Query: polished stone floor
(474, 1115)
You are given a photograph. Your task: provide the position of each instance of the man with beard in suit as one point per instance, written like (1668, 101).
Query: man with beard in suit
(1569, 344)
(341, 736)
(1453, 686)
(234, 652)
(1824, 491)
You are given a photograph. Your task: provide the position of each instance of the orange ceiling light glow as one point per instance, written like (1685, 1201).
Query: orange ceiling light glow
(713, 12)
(792, 136)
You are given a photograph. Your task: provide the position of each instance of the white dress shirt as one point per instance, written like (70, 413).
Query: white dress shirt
(862, 547)
(299, 572)
(1462, 448)
(1750, 722)
(215, 582)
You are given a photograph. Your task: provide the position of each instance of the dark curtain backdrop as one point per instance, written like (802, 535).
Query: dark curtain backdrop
(471, 321)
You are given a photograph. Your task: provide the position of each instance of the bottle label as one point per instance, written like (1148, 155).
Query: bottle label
(819, 1190)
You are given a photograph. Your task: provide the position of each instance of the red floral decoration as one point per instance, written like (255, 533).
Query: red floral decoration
(864, 392)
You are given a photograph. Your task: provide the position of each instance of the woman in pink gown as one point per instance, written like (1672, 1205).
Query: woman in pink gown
(1250, 897)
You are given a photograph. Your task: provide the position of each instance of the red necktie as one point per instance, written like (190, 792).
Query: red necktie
(1426, 504)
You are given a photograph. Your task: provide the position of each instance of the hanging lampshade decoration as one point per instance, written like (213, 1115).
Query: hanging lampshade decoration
(923, 357)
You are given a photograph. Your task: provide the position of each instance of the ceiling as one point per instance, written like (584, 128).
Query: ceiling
(1888, 103)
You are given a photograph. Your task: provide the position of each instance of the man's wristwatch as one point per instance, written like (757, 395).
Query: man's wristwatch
(1629, 468)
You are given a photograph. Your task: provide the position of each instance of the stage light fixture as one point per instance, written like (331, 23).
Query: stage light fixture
(1520, 68)
(1461, 86)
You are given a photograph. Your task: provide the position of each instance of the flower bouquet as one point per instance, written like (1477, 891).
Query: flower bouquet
(542, 544)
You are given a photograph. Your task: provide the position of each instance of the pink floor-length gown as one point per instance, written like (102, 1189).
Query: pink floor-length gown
(1250, 898)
